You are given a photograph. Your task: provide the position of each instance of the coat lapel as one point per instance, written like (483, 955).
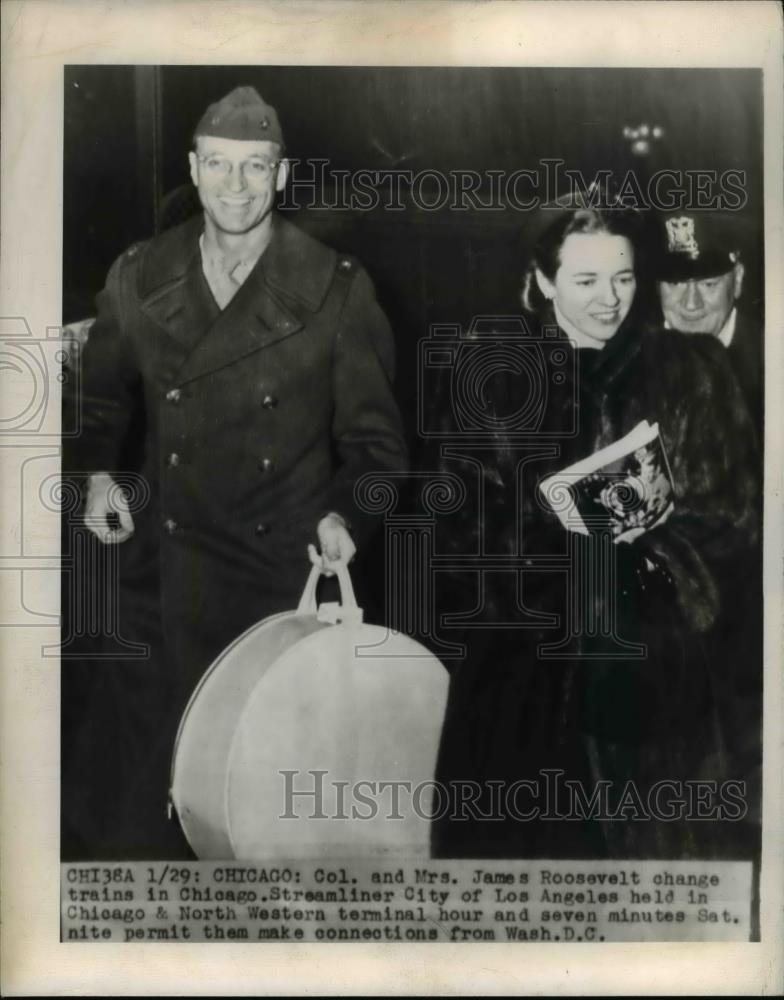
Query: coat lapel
(172, 288)
(254, 319)
(294, 270)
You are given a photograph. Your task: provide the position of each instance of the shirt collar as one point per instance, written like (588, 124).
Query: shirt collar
(214, 264)
(727, 332)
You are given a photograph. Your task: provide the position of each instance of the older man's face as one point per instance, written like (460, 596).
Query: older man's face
(236, 181)
(701, 306)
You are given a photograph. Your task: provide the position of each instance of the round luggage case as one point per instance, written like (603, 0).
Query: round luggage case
(312, 735)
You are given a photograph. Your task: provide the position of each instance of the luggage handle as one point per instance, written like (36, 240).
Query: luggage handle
(331, 612)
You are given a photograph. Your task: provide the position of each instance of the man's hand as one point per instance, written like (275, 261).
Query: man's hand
(105, 498)
(335, 542)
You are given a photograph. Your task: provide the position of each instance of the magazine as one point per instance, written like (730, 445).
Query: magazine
(624, 486)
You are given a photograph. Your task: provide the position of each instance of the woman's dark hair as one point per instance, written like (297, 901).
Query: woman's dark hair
(546, 255)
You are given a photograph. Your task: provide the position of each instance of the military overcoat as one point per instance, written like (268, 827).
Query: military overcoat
(254, 423)
(246, 426)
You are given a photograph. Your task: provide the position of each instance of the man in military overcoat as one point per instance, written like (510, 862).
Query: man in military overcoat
(260, 366)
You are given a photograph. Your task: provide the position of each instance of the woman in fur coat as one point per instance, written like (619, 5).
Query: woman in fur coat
(592, 714)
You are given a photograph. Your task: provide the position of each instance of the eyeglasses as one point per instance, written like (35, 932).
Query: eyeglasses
(254, 169)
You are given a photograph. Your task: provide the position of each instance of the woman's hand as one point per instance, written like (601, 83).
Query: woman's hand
(633, 533)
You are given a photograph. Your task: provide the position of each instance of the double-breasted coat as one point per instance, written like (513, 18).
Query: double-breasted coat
(252, 423)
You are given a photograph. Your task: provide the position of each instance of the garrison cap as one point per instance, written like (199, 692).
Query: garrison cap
(242, 114)
(694, 245)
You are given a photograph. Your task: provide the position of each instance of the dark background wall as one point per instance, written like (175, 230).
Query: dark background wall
(128, 129)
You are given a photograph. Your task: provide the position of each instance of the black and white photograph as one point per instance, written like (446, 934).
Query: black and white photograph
(409, 433)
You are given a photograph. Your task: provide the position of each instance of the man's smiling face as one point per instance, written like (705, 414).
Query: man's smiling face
(237, 181)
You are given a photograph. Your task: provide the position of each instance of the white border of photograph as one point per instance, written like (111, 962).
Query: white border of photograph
(39, 37)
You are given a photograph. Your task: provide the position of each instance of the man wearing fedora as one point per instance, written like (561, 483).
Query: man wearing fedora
(700, 280)
(260, 366)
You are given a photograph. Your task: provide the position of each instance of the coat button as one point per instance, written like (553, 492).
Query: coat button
(344, 265)
(173, 396)
(170, 526)
(173, 459)
(269, 402)
(262, 529)
(266, 465)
